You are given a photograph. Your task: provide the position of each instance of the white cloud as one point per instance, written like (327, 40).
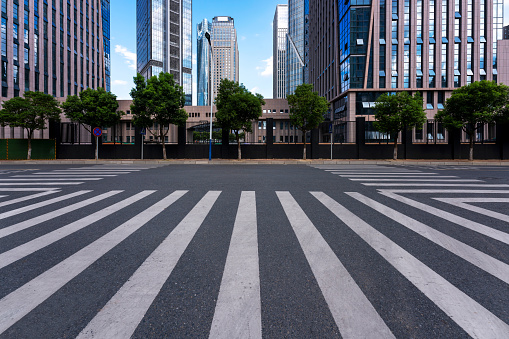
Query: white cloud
(243, 38)
(130, 57)
(119, 82)
(254, 90)
(267, 69)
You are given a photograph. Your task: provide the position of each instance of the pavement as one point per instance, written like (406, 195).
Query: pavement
(304, 249)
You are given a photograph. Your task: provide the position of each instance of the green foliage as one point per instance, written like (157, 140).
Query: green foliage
(158, 100)
(480, 102)
(306, 108)
(30, 112)
(237, 107)
(216, 135)
(93, 108)
(393, 113)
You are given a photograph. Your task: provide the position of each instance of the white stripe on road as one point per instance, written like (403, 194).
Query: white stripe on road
(50, 179)
(436, 191)
(48, 216)
(26, 189)
(63, 175)
(432, 185)
(352, 311)
(417, 180)
(79, 173)
(463, 222)
(96, 170)
(238, 308)
(28, 197)
(461, 202)
(39, 183)
(476, 320)
(41, 204)
(20, 302)
(124, 311)
(395, 176)
(491, 265)
(30, 247)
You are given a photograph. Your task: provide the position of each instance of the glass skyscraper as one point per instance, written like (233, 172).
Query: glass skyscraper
(226, 50)
(296, 56)
(203, 63)
(164, 30)
(280, 27)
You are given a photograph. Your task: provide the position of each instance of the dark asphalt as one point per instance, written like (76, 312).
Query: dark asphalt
(292, 303)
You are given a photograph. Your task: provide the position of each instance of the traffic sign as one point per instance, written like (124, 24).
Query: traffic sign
(143, 131)
(330, 128)
(98, 131)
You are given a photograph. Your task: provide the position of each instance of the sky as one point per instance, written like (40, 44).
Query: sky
(253, 21)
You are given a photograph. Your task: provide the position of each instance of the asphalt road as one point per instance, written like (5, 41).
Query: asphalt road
(250, 251)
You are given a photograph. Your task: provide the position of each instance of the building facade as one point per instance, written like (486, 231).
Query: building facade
(225, 51)
(203, 63)
(280, 26)
(164, 40)
(426, 46)
(53, 46)
(297, 48)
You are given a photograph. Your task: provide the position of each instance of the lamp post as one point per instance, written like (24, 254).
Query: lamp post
(207, 35)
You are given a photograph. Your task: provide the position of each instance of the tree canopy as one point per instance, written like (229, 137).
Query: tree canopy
(93, 108)
(30, 112)
(471, 106)
(396, 112)
(306, 109)
(158, 100)
(237, 108)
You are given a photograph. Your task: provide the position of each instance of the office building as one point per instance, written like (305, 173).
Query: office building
(297, 48)
(359, 51)
(164, 34)
(226, 50)
(280, 26)
(203, 63)
(57, 47)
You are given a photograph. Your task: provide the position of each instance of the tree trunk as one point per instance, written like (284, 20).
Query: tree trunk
(162, 141)
(29, 155)
(239, 157)
(304, 150)
(471, 151)
(395, 154)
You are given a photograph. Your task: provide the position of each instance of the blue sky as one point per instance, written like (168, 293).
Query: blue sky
(253, 20)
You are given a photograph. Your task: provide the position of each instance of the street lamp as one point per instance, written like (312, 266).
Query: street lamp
(207, 35)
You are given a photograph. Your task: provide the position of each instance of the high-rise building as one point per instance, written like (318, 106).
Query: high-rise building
(57, 47)
(431, 47)
(164, 34)
(280, 27)
(296, 50)
(226, 50)
(203, 63)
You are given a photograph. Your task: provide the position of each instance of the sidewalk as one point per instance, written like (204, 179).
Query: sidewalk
(262, 162)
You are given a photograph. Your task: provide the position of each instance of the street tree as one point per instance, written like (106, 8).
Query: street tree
(472, 106)
(306, 110)
(158, 100)
(30, 112)
(93, 108)
(396, 112)
(237, 108)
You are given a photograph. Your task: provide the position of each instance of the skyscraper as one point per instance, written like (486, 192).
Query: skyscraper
(203, 63)
(226, 50)
(280, 27)
(296, 56)
(164, 34)
(57, 47)
(431, 47)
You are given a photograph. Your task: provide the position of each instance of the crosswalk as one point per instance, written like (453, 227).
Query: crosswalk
(358, 247)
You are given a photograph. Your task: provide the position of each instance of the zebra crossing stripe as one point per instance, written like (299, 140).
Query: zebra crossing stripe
(65, 176)
(491, 265)
(461, 202)
(471, 225)
(395, 176)
(38, 183)
(476, 320)
(40, 204)
(352, 311)
(238, 308)
(31, 189)
(28, 197)
(122, 314)
(453, 191)
(416, 180)
(32, 246)
(20, 302)
(433, 185)
(48, 179)
(50, 215)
